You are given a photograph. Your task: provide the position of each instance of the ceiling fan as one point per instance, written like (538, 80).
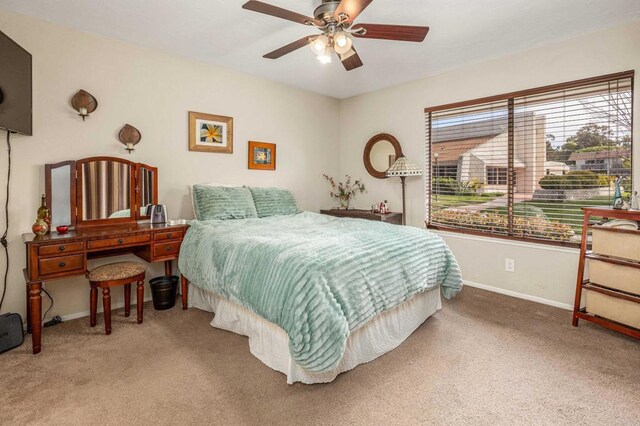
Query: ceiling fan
(334, 18)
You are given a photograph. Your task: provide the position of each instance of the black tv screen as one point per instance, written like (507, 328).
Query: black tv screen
(15, 87)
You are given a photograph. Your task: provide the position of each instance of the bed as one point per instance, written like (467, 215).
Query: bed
(315, 294)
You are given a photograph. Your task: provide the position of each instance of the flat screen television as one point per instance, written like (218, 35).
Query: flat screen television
(15, 87)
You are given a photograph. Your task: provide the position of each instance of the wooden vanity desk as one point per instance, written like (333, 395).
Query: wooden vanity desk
(105, 199)
(55, 256)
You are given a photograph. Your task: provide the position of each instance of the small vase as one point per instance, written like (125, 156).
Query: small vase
(344, 202)
(40, 227)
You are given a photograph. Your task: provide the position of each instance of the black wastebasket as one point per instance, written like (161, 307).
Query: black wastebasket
(163, 291)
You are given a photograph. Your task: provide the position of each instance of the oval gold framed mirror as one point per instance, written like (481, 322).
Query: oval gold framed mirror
(380, 153)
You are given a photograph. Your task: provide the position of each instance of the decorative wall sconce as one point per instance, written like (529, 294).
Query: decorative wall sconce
(84, 103)
(129, 136)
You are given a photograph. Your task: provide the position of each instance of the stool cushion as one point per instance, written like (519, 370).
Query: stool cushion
(116, 271)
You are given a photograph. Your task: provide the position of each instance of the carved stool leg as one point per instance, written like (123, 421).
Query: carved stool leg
(106, 302)
(93, 305)
(127, 300)
(140, 300)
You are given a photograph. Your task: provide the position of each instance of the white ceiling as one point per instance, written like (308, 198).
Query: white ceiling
(222, 33)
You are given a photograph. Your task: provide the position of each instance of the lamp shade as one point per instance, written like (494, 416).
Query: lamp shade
(403, 167)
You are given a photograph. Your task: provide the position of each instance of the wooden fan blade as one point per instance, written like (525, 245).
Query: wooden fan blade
(278, 12)
(351, 8)
(289, 48)
(351, 60)
(392, 32)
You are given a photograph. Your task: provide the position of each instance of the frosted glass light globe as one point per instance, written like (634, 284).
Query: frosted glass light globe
(319, 45)
(342, 43)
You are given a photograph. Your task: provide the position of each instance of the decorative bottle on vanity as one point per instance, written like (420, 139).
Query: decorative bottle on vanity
(43, 216)
(44, 213)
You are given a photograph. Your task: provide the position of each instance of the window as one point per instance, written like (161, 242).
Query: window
(446, 171)
(526, 162)
(496, 175)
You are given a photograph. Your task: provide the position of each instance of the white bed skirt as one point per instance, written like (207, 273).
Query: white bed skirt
(270, 343)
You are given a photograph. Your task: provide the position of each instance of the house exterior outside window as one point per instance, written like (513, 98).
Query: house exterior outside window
(526, 162)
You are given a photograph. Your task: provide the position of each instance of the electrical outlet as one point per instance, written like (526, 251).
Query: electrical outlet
(509, 265)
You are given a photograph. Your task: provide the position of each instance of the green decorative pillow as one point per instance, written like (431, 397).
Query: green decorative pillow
(273, 202)
(220, 202)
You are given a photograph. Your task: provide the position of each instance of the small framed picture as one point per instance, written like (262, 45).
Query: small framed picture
(210, 133)
(262, 155)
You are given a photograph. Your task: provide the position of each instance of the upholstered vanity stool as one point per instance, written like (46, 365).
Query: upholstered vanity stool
(112, 275)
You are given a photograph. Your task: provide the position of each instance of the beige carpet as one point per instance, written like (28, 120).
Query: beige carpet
(484, 359)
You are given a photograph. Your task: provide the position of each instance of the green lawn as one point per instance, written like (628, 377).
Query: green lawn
(446, 201)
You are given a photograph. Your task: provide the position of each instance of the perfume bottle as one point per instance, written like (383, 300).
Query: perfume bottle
(44, 213)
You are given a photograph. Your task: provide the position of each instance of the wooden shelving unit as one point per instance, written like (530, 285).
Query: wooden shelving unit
(613, 290)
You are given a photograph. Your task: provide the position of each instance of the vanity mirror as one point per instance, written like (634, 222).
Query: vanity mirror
(380, 153)
(104, 190)
(99, 191)
(60, 191)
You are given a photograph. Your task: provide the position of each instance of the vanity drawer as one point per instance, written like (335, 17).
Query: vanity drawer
(166, 249)
(169, 235)
(58, 249)
(61, 264)
(116, 242)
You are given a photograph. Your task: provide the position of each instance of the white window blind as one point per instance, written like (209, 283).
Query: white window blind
(527, 162)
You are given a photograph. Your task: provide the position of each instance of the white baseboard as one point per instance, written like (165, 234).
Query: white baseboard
(82, 314)
(518, 295)
(499, 290)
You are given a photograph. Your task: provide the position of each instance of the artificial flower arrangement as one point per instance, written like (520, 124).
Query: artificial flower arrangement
(345, 191)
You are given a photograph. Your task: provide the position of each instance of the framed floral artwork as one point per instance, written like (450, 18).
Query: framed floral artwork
(210, 133)
(262, 155)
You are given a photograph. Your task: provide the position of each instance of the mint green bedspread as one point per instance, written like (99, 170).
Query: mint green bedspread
(317, 277)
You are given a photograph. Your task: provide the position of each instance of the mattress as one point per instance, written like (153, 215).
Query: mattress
(270, 343)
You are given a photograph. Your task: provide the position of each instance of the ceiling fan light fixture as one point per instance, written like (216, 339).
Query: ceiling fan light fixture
(342, 43)
(335, 20)
(319, 44)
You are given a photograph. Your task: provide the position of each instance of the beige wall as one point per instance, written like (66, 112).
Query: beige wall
(153, 92)
(540, 272)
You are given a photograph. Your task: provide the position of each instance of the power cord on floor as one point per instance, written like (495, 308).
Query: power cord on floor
(50, 306)
(54, 321)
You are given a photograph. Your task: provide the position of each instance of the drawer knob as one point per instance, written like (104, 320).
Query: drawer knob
(169, 235)
(61, 248)
(120, 241)
(62, 265)
(170, 248)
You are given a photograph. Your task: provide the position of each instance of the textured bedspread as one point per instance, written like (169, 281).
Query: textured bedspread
(316, 276)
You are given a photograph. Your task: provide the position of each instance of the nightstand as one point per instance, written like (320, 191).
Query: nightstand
(394, 218)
